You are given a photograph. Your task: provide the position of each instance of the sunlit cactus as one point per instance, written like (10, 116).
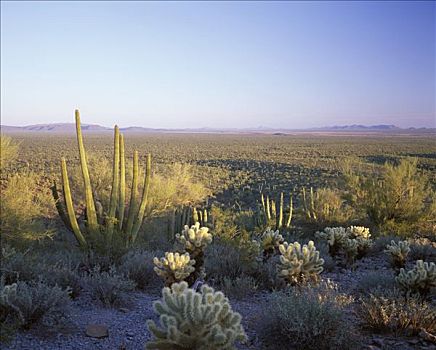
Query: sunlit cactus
(398, 253)
(174, 267)
(271, 215)
(299, 264)
(98, 222)
(194, 320)
(271, 241)
(418, 280)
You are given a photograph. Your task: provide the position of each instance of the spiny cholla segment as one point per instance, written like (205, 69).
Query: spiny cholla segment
(174, 267)
(195, 320)
(299, 264)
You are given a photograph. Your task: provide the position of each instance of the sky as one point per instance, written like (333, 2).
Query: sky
(219, 64)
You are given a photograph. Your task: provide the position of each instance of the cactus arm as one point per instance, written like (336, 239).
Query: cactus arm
(312, 204)
(115, 182)
(288, 223)
(69, 205)
(140, 217)
(122, 199)
(133, 196)
(280, 224)
(60, 207)
(268, 212)
(91, 215)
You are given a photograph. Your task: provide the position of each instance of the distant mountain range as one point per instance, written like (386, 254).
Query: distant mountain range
(67, 128)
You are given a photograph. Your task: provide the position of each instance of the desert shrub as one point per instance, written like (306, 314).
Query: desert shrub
(423, 249)
(391, 311)
(8, 151)
(64, 276)
(267, 276)
(396, 201)
(109, 287)
(194, 320)
(398, 253)
(420, 280)
(23, 207)
(381, 242)
(325, 206)
(299, 264)
(239, 288)
(29, 303)
(17, 265)
(306, 318)
(138, 267)
(230, 225)
(376, 280)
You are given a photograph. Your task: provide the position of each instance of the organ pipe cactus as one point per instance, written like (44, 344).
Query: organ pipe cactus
(418, 280)
(174, 267)
(299, 264)
(114, 218)
(398, 253)
(194, 320)
(271, 215)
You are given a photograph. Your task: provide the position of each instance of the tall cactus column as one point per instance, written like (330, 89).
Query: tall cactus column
(91, 215)
(122, 196)
(115, 184)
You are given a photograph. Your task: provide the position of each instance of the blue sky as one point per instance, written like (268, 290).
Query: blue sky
(219, 64)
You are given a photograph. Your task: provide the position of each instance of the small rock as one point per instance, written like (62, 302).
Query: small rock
(123, 309)
(97, 330)
(372, 347)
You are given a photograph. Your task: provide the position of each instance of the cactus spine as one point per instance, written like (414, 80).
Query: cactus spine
(90, 206)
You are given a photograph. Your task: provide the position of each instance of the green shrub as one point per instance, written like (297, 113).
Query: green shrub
(23, 207)
(30, 303)
(396, 201)
(138, 267)
(239, 288)
(17, 265)
(391, 311)
(194, 320)
(376, 280)
(109, 287)
(8, 151)
(64, 276)
(306, 318)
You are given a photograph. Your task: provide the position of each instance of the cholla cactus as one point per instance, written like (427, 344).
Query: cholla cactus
(418, 280)
(270, 241)
(299, 264)
(335, 236)
(354, 241)
(358, 231)
(174, 267)
(194, 239)
(398, 253)
(194, 320)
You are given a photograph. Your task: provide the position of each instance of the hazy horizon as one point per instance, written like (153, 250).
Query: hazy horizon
(289, 65)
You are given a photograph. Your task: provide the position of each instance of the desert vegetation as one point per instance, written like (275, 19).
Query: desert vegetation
(219, 241)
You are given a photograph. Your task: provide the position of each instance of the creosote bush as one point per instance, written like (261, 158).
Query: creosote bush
(8, 150)
(391, 311)
(138, 267)
(194, 320)
(108, 287)
(306, 318)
